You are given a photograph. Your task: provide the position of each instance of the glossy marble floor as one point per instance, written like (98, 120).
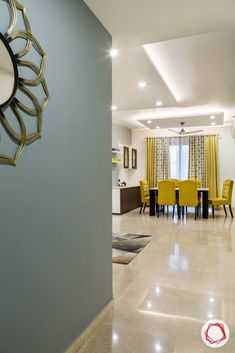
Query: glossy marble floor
(184, 277)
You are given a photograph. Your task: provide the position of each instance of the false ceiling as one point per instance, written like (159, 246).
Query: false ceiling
(192, 121)
(189, 69)
(198, 70)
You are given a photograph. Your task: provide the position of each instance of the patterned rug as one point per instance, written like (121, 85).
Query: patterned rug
(127, 246)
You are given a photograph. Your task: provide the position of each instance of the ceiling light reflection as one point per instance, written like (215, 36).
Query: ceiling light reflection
(158, 290)
(115, 337)
(142, 84)
(158, 347)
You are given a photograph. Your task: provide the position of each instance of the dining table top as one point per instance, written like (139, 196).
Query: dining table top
(199, 189)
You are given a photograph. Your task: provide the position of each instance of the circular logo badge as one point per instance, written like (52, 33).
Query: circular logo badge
(215, 333)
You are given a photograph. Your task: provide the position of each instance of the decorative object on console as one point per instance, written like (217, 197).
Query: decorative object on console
(17, 116)
(126, 157)
(120, 184)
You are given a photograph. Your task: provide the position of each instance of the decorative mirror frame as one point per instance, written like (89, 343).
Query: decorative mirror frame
(18, 108)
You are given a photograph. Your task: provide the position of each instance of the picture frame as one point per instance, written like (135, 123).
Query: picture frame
(126, 157)
(134, 158)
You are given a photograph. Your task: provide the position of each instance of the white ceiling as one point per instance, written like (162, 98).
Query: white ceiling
(137, 22)
(201, 67)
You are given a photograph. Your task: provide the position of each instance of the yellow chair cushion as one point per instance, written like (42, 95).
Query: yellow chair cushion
(217, 201)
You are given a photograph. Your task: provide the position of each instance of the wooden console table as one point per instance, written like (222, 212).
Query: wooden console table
(125, 199)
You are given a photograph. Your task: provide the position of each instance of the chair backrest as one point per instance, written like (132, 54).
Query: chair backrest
(188, 194)
(227, 190)
(198, 181)
(177, 181)
(166, 193)
(144, 189)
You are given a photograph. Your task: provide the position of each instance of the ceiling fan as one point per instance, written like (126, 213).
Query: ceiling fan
(183, 132)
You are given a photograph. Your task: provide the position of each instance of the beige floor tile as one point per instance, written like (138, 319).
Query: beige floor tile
(184, 277)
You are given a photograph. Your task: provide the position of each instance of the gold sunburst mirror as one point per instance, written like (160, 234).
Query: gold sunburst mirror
(23, 89)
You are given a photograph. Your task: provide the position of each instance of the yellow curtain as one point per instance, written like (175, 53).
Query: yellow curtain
(211, 143)
(151, 162)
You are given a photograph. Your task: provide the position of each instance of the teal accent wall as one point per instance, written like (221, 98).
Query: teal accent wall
(55, 206)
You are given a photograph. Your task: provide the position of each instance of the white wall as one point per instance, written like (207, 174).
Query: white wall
(226, 151)
(121, 135)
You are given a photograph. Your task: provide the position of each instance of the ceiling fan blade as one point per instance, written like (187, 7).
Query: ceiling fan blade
(177, 132)
(194, 131)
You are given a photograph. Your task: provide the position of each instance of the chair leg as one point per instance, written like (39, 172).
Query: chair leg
(158, 211)
(173, 214)
(141, 206)
(230, 209)
(225, 211)
(213, 211)
(167, 207)
(195, 213)
(179, 211)
(183, 211)
(163, 210)
(144, 206)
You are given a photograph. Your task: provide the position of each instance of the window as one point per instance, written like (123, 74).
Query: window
(179, 156)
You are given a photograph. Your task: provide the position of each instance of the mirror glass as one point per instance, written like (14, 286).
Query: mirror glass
(7, 73)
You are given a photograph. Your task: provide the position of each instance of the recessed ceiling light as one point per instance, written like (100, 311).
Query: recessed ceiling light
(114, 52)
(149, 121)
(142, 84)
(213, 124)
(158, 103)
(212, 299)
(212, 117)
(149, 305)
(210, 316)
(114, 107)
(157, 127)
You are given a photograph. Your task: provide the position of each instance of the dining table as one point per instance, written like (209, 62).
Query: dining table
(203, 191)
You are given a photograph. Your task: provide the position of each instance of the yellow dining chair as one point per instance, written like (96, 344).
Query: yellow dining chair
(188, 196)
(198, 181)
(225, 199)
(199, 185)
(144, 192)
(177, 181)
(166, 195)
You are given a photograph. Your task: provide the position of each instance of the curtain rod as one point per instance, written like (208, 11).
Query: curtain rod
(157, 137)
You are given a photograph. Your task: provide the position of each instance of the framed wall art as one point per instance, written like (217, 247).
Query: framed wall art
(126, 157)
(134, 158)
